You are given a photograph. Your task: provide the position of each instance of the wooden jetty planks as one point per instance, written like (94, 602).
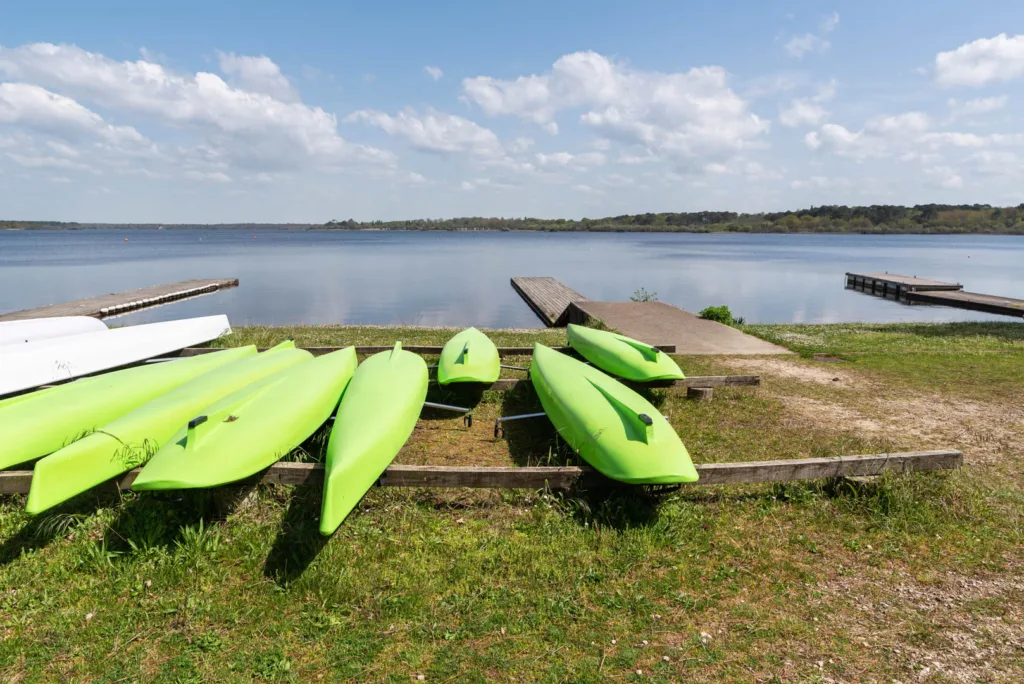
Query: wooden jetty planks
(914, 290)
(548, 298)
(19, 481)
(121, 302)
(973, 301)
(894, 283)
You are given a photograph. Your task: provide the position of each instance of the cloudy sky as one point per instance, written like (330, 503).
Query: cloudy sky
(259, 111)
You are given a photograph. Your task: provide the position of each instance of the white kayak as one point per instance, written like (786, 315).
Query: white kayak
(25, 366)
(35, 329)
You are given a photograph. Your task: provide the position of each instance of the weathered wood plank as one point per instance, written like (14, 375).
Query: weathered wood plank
(120, 302)
(19, 481)
(547, 297)
(415, 348)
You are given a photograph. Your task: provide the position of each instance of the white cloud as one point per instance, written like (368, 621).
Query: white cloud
(798, 46)
(59, 179)
(581, 187)
(678, 115)
(38, 109)
(47, 162)
(250, 129)
(211, 176)
(983, 61)
(802, 112)
(976, 107)
(820, 183)
(829, 23)
(434, 72)
(944, 177)
(566, 159)
(257, 75)
(417, 178)
(434, 131)
(908, 123)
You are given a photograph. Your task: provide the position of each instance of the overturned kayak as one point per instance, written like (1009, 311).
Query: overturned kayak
(35, 329)
(623, 356)
(253, 428)
(62, 358)
(36, 424)
(468, 357)
(132, 439)
(375, 418)
(612, 427)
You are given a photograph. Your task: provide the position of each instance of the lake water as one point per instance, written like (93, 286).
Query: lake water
(461, 279)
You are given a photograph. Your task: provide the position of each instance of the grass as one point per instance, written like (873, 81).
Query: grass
(802, 581)
(894, 338)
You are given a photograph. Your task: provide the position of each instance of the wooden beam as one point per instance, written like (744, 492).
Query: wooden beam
(19, 481)
(416, 348)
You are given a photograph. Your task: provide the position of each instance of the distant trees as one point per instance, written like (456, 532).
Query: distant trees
(882, 218)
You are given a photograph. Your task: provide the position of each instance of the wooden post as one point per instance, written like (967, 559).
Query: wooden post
(699, 393)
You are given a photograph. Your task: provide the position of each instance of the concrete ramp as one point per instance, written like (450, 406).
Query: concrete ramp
(660, 323)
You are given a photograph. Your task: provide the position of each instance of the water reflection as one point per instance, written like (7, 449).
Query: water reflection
(314, 277)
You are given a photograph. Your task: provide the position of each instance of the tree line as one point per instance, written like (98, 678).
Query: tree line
(879, 218)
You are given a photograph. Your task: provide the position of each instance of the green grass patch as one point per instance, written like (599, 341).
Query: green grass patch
(843, 338)
(752, 582)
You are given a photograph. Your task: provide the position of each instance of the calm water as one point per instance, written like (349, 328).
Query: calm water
(462, 279)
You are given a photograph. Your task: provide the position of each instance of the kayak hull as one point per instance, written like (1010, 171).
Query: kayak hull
(36, 329)
(132, 439)
(612, 427)
(376, 416)
(252, 428)
(62, 358)
(39, 423)
(470, 356)
(623, 356)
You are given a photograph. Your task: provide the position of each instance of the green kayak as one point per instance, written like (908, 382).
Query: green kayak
(612, 427)
(253, 428)
(468, 357)
(375, 418)
(41, 422)
(623, 356)
(130, 440)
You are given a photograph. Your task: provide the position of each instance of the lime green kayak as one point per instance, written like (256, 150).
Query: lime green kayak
(612, 427)
(375, 418)
(468, 357)
(623, 356)
(130, 440)
(41, 422)
(253, 428)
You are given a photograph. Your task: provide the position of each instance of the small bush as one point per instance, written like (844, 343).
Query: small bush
(720, 314)
(642, 295)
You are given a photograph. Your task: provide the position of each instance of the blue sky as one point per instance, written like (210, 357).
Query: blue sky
(223, 112)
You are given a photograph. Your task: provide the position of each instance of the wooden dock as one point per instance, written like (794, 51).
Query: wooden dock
(123, 302)
(886, 284)
(548, 298)
(567, 477)
(974, 301)
(664, 325)
(914, 290)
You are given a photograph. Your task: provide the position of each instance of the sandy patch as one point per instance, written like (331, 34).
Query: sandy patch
(805, 371)
(974, 625)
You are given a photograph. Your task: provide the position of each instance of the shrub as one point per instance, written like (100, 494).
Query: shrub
(720, 314)
(642, 295)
